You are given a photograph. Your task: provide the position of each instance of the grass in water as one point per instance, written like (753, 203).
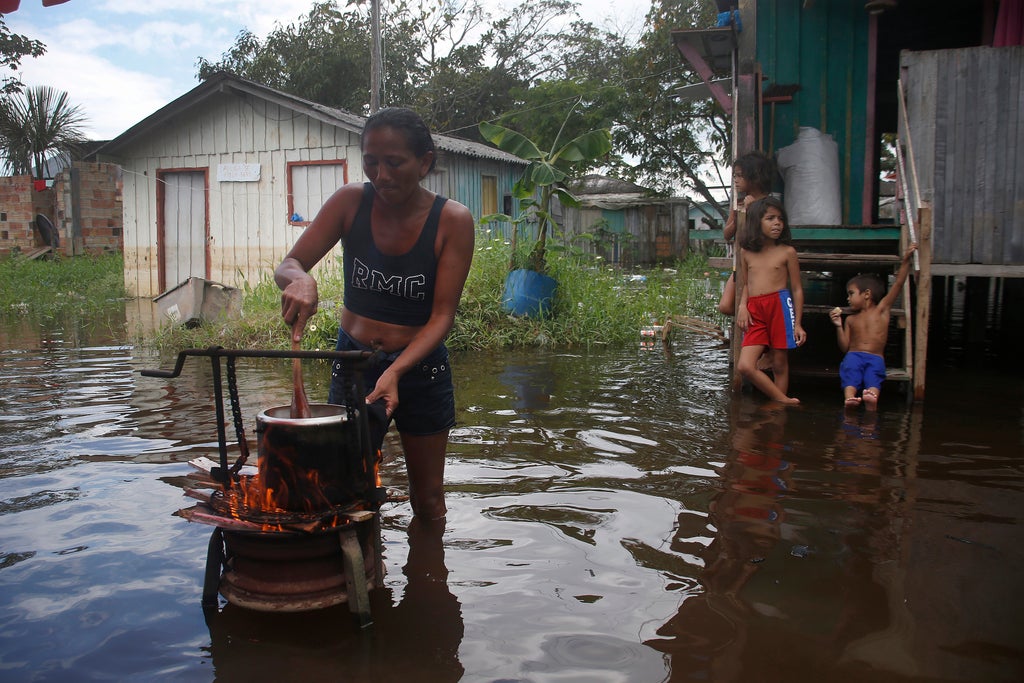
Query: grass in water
(61, 287)
(595, 304)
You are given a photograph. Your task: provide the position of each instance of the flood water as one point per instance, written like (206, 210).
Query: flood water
(614, 515)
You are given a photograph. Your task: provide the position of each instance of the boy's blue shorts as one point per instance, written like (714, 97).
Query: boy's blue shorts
(862, 370)
(426, 395)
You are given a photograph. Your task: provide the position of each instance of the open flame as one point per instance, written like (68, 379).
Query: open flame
(284, 496)
(311, 477)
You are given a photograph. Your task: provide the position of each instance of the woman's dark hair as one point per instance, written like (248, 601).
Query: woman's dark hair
(752, 238)
(757, 169)
(409, 124)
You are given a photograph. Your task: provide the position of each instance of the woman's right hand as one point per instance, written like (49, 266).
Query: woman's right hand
(299, 302)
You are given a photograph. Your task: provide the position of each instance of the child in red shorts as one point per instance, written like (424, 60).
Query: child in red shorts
(771, 297)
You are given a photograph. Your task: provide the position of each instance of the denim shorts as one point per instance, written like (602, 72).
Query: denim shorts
(426, 395)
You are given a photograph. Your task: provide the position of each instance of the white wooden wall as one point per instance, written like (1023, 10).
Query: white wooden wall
(249, 227)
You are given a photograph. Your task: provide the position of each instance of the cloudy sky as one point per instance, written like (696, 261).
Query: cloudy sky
(121, 60)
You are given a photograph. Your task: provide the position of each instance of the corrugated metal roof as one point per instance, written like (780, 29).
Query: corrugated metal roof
(601, 192)
(225, 82)
(594, 183)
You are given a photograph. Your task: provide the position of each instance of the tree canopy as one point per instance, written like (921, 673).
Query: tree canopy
(458, 66)
(36, 124)
(13, 47)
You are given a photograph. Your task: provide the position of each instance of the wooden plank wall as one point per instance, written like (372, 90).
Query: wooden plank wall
(249, 228)
(822, 47)
(248, 221)
(967, 128)
(657, 233)
(460, 178)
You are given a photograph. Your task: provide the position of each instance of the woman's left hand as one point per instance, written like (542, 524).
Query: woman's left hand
(387, 389)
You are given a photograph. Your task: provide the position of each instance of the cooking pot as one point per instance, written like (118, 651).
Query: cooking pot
(310, 464)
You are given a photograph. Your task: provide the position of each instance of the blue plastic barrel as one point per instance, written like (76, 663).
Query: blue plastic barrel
(528, 293)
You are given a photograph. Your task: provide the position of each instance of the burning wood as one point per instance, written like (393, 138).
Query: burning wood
(204, 464)
(198, 495)
(211, 512)
(246, 506)
(206, 515)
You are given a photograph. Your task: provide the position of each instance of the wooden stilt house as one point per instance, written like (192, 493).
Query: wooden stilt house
(950, 89)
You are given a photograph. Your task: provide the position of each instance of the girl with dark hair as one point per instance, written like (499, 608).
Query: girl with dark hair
(752, 177)
(407, 254)
(770, 312)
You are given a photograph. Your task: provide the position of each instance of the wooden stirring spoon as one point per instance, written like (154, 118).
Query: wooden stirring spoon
(300, 404)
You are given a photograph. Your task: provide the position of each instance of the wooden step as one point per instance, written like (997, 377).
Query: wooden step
(37, 252)
(814, 261)
(720, 262)
(826, 309)
(893, 374)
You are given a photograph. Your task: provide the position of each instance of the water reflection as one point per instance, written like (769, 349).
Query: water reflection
(615, 515)
(805, 540)
(708, 635)
(415, 639)
(531, 384)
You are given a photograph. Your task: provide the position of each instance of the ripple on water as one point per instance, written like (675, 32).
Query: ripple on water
(613, 516)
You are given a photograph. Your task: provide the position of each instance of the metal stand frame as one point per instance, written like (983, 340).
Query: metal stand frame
(353, 560)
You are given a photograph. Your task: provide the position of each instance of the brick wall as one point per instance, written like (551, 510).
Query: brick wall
(84, 205)
(98, 207)
(18, 213)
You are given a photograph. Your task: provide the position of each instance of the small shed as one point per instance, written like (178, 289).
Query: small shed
(624, 224)
(220, 183)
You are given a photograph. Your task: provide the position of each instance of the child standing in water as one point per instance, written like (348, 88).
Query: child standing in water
(863, 335)
(771, 297)
(752, 177)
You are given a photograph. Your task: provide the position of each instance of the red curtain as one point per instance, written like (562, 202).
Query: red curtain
(1009, 24)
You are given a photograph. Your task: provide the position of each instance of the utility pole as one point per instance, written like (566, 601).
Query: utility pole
(375, 56)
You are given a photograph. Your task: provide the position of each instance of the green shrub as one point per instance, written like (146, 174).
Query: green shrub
(595, 304)
(62, 286)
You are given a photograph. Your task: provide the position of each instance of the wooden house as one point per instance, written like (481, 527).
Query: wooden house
(219, 183)
(623, 223)
(946, 82)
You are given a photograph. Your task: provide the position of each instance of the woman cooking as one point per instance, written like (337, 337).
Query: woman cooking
(407, 254)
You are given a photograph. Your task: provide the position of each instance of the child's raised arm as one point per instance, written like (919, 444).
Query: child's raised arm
(901, 276)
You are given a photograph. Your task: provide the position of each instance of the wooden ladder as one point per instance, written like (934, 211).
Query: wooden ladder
(845, 266)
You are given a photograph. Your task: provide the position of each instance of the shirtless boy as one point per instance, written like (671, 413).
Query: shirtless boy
(863, 334)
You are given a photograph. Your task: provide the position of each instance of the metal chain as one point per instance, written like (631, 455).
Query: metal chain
(236, 412)
(348, 380)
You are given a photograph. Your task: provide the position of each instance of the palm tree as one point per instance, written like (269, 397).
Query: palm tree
(35, 124)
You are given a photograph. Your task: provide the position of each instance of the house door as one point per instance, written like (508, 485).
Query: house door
(183, 227)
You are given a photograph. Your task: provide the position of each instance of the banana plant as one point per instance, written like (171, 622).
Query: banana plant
(543, 179)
